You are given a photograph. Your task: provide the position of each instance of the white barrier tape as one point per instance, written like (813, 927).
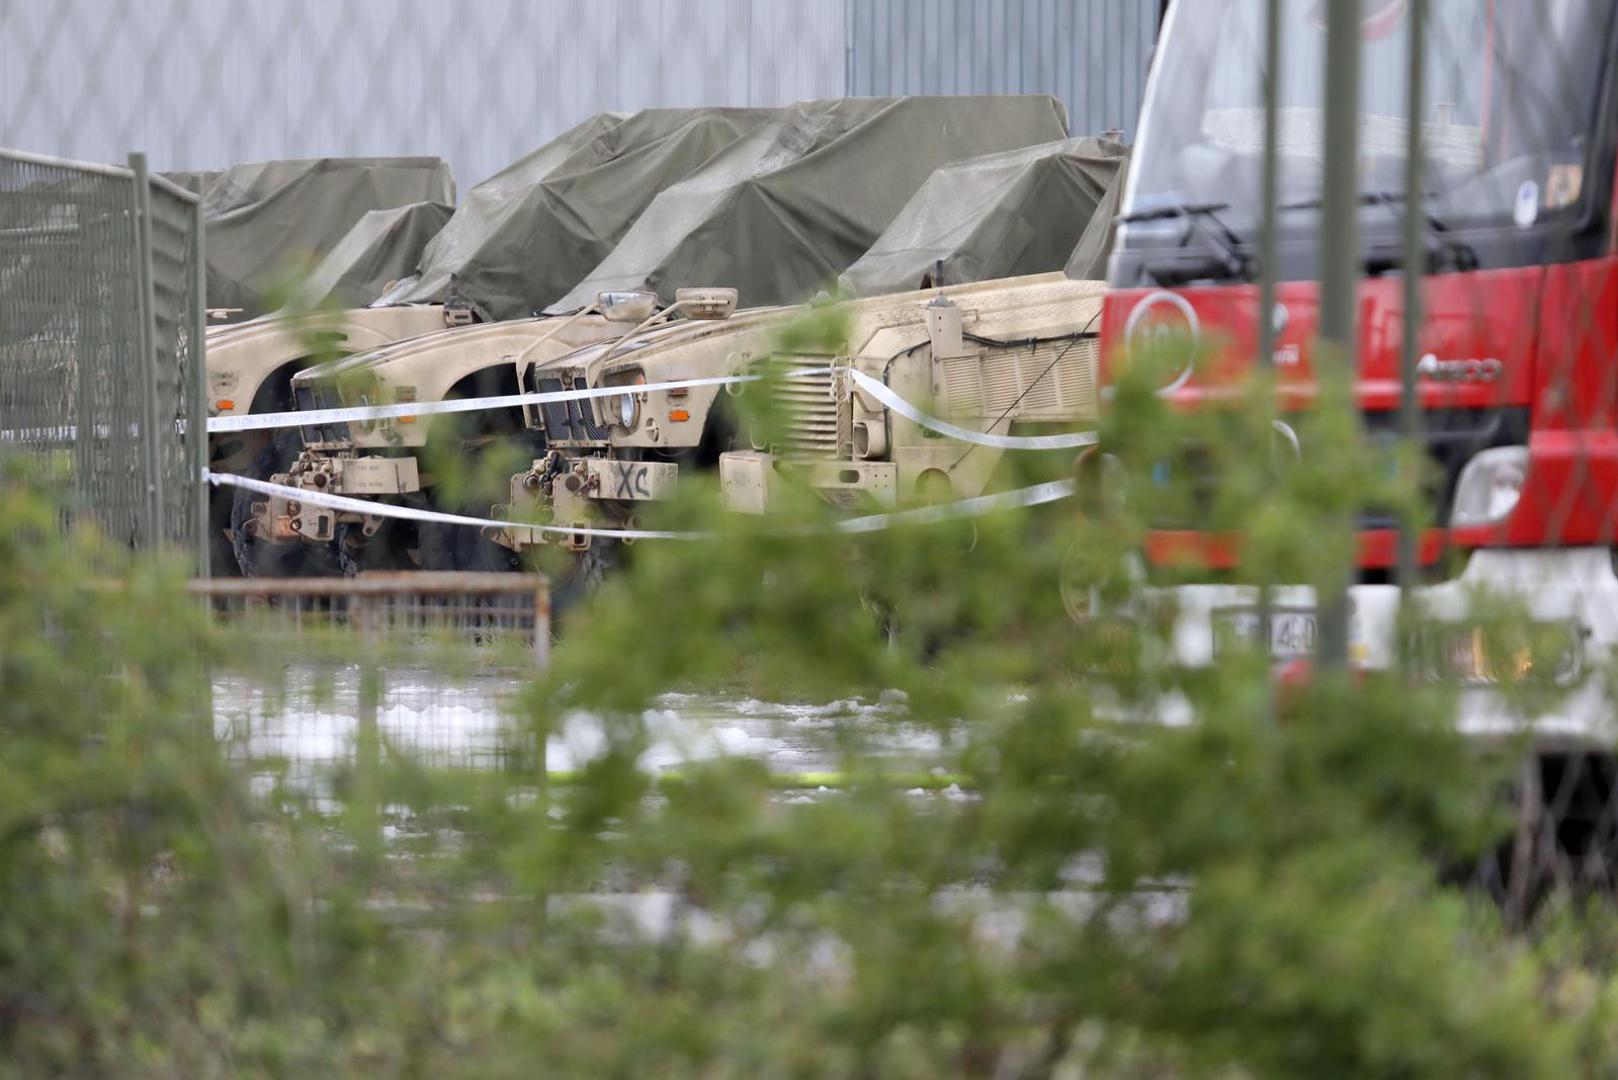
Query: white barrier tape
(358, 413)
(882, 393)
(878, 390)
(1037, 495)
(410, 513)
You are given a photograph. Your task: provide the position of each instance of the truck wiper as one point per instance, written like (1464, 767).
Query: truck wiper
(1202, 220)
(1443, 237)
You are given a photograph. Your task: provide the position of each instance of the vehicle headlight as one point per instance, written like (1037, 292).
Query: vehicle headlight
(1490, 486)
(624, 409)
(1545, 652)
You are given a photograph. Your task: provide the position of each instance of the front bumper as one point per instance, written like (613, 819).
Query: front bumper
(749, 479)
(1575, 586)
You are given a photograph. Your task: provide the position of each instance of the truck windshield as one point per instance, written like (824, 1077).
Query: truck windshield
(1512, 92)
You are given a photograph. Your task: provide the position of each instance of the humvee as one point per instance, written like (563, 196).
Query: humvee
(249, 370)
(991, 357)
(382, 459)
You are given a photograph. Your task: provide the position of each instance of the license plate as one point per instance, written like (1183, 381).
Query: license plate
(1293, 633)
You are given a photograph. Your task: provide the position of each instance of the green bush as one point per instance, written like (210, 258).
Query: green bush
(1261, 892)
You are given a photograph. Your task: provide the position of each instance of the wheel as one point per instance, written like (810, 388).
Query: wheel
(463, 548)
(577, 580)
(284, 559)
(222, 561)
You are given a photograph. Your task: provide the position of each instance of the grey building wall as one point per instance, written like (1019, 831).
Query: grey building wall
(205, 83)
(1093, 54)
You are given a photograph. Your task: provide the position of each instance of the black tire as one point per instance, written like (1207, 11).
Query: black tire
(463, 548)
(574, 584)
(222, 561)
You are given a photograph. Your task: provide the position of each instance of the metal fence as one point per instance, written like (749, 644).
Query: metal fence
(101, 321)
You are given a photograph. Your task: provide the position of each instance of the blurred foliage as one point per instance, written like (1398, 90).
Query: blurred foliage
(1269, 889)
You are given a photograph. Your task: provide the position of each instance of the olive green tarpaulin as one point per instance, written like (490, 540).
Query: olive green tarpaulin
(1089, 260)
(270, 221)
(382, 248)
(785, 210)
(997, 216)
(526, 235)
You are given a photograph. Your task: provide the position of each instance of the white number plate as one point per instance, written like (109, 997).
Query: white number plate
(1293, 633)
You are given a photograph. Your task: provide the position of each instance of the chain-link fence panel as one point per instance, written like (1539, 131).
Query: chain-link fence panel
(178, 320)
(99, 309)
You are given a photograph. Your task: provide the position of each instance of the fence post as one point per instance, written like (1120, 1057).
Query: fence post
(197, 411)
(366, 807)
(542, 732)
(1340, 266)
(150, 516)
(1268, 248)
(1414, 266)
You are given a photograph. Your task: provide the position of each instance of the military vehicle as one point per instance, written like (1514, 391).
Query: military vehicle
(384, 459)
(463, 363)
(830, 196)
(517, 242)
(991, 357)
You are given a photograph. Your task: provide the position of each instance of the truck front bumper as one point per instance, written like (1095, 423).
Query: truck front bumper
(1576, 588)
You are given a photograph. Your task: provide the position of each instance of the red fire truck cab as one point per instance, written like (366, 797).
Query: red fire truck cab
(1518, 342)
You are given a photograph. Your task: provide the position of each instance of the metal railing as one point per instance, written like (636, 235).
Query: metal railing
(320, 674)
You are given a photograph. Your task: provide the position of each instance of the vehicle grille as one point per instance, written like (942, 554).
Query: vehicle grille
(815, 423)
(1054, 382)
(570, 421)
(322, 396)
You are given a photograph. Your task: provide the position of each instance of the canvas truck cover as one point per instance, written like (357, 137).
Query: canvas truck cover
(1089, 259)
(523, 238)
(789, 207)
(998, 216)
(268, 219)
(580, 146)
(196, 181)
(383, 247)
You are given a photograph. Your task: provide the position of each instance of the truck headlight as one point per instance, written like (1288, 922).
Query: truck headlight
(1490, 486)
(1551, 652)
(624, 409)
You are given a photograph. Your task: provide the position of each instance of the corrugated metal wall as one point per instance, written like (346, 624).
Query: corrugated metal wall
(1092, 54)
(205, 83)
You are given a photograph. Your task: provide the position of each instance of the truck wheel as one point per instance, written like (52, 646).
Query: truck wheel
(265, 558)
(221, 535)
(577, 581)
(284, 559)
(463, 548)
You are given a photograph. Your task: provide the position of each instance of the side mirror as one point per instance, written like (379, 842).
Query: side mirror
(710, 304)
(627, 307)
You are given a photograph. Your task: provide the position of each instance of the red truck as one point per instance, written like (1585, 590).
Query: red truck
(1518, 339)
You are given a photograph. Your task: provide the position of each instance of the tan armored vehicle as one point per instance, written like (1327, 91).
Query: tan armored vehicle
(868, 156)
(518, 241)
(383, 459)
(995, 357)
